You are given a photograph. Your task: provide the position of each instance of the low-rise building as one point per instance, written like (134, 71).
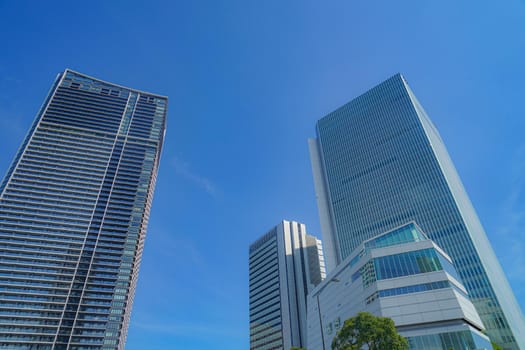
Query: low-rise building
(404, 275)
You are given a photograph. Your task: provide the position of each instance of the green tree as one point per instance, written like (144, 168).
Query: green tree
(378, 333)
(496, 346)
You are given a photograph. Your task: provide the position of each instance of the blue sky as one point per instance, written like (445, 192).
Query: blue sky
(247, 80)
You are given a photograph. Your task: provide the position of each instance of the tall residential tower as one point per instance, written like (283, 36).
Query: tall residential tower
(285, 264)
(379, 162)
(74, 208)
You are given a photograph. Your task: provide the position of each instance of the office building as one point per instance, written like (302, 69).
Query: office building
(74, 207)
(379, 162)
(402, 275)
(285, 264)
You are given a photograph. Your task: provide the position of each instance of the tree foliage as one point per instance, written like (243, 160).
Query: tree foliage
(378, 333)
(496, 346)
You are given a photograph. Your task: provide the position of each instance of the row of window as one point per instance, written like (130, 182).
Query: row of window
(405, 234)
(450, 340)
(405, 264)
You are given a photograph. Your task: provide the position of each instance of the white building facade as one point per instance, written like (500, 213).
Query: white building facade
(285, 264)
(405, 276)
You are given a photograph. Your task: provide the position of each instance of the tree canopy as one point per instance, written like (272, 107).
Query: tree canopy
(378, 333)
(496, 346)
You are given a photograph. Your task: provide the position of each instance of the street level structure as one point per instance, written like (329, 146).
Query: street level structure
(402, 275)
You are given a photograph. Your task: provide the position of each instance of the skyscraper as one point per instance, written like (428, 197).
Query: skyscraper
(74, 208)
(379, 162)
(285, 264)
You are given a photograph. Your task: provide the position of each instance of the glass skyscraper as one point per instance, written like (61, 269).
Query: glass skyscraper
(74, 208)
(378, 163)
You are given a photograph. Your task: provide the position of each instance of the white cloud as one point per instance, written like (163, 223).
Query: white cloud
(183, 169)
